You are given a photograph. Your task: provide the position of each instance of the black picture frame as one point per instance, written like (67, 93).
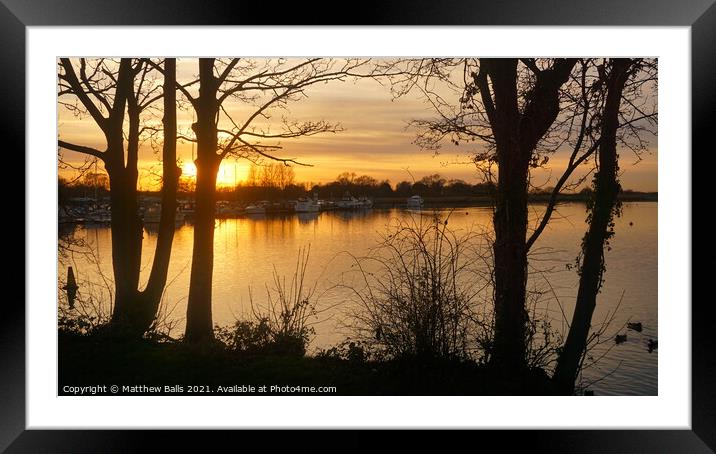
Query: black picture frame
(16, 15)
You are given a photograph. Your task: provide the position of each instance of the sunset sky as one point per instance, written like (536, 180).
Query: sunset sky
(376, 140)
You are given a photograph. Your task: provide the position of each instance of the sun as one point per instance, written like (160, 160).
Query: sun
(188, 170)
(229, 173)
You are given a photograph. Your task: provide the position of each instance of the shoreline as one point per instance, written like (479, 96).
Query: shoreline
(485, 200)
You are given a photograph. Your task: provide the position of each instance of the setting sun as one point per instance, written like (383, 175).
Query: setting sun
(230, 173)
(188, 170)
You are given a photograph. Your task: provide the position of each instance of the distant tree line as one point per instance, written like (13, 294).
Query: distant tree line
(90, 185)
(276, 181)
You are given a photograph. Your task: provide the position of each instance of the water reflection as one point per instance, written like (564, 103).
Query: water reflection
(306, 218)
(248, 248)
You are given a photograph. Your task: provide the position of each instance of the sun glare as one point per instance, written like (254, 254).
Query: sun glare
(188, 169)
(230, 173)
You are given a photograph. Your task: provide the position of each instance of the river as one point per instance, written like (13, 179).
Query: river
(247, 249)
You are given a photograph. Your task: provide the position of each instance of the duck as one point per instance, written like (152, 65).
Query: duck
(652, 345)
(620, 338)
(636, 326)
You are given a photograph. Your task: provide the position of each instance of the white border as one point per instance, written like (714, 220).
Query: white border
(670, 409)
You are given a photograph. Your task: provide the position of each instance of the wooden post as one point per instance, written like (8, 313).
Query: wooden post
(71, 287)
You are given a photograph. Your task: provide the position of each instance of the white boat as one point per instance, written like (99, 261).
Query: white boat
(305, 205)
(259, 208)
(326, 205)
(226, 209)
(365, 202)
(348, 202)
(415, 202)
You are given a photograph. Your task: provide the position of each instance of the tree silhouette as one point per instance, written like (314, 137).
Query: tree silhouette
(509, 106)
(113, 93)
(518, 113)
(517, 133)
(603, 207)
(268, 88)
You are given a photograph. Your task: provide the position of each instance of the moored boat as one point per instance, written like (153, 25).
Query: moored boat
(349, 202)
(258, 208)
(415, 202)
(306, 205)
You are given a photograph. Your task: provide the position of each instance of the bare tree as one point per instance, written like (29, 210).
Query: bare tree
(519, 114)
(276, 175)
(637, 118)
(114, 93)
(517, 133)
(510, 112)
(148, 300)
(604, 206)
(268, 88)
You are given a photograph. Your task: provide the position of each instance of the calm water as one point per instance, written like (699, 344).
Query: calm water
(247, 249)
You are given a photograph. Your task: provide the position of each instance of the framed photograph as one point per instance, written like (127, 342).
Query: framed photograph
(468, 217)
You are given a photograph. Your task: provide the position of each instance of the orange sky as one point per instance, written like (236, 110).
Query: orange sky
(375, 140)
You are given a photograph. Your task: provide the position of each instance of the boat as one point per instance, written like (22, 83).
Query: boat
(186, 210)
(365, 202)
(348, 202)
(258, 208)
(279, 207)
(226, 209)
(326, 205)
(152, 213)
(98, 214)
(306, 205)
(415, 202)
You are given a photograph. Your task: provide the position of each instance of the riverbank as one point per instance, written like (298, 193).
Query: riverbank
(487, 200)
(147, 367)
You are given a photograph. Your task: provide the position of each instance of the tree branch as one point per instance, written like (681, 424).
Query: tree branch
(81, 149)
(530, 63)
(257, 150)
(71, 77)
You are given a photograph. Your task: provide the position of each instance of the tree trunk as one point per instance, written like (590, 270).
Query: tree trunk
(126, 229)
(510, 223)
(148, 300)
(126, 226)
(516, 136)
(198, 318)
(509, 219)
(606, 190)
(133, 310)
